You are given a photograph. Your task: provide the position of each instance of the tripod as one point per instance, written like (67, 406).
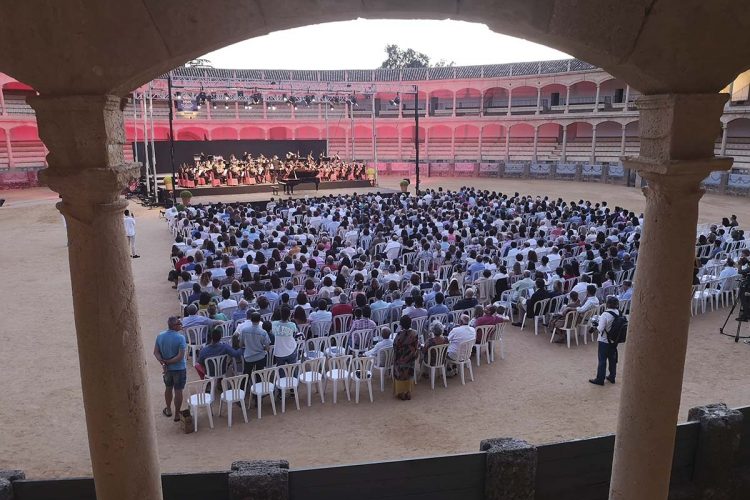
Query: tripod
(737, 335)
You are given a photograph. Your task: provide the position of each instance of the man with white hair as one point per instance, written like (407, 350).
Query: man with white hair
(459, 335)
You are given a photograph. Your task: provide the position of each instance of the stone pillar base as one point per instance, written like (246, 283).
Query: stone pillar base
(259, 480)
(511, 469)
(6, 482)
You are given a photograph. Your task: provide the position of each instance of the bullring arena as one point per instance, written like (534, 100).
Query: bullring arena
(473, 186)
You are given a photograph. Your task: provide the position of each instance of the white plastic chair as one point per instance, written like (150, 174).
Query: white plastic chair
(463, 359)
(342, 323)
(337, 343)
(419, 325)
(287, 379)
(195, 337)
(384, 365)
(362, 339)
(198, 398)
(497, 337)
(436, 360)
(263, 385)
(233, 391)
(315, 347)
(338, 370)
(570, 326)
(483, 334)
(216, 369)
(320, 328)
(381, 316)
(312, 373)
(360, 370)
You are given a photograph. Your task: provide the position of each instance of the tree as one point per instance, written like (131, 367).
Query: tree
(408, 58)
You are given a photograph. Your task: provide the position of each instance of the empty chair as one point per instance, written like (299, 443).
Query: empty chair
(337, 343)
(287, 379)
(338, 370)
(320, 328)
(233, 391)
(419, 325)
(435, 360)
(315, 347)
(198, 398)
(360, 370)
(263, 385)
(384, 365)
(195, 337)
(381, 316)
(342, 323)
(463, 359)
(483, 344)
(312, 373)
(584, 322)
(441, 317)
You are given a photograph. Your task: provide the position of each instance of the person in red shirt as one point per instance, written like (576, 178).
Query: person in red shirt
(343, 307)
(490, 318)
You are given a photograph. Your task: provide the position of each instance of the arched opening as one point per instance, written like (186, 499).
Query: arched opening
(579, 141)
(738, 142)
(27, 149)
(386, 105)
(439, 139)
(495, 101)
(279, 133)
(306, 133)
(407, 142)
(191, 134)
(549, 141)
(337, 141)
(608, 145)
(493, 142)
(468, 102)
(15, 94)
(407, 101)
(387, 140)
(612, 94)
(254, 133)
(553, 98)
(523, 100)
(632, 139)
(224, 134)
(582, 97)
(466, 142)
(521, 142)
(441, 103)
(4, 153)
(362, 143)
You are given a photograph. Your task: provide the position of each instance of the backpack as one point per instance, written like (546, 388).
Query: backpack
(618, 330)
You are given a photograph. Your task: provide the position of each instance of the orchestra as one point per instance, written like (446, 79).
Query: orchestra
(215, 170)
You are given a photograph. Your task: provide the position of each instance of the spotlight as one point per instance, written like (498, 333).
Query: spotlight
(226, 96)
(284, 97)
(273, 108)
(178, 96)
(214, 105)
(396, 101)
(309, 99)
(226, 106)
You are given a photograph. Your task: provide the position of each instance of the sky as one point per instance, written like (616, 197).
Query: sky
(360, 44)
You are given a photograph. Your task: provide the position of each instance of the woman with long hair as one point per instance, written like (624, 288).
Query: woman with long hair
(405, 354)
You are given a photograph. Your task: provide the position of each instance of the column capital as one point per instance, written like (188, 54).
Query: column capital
(679, 126)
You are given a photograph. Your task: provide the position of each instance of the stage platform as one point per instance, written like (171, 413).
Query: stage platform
(271, 188)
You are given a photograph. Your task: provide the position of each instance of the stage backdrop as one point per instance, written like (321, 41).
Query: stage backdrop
(184, 150)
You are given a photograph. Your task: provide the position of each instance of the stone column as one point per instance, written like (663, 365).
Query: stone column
(507, 144)
(536, 142)
(480, 144)
(593, 143)
(677, 142)
(724, 132)
(622, 140)
(627, 97)
(453, 114)
(563, 155)
(481, 104)
(538, 100)
(8, 147)
(85, 135)
(510, 100)
(596, 99)
(567, 99)
(3, 112)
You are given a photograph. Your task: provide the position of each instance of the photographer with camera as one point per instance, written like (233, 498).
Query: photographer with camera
(612, 327)
(743, 268)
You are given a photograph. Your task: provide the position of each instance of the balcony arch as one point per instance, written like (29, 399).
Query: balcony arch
(441, 102)
(553, 97)
(223, 134)
(24, 133)
(582, 96)
(468, 101)
(191, 134)
(253, 133)
(523, 100)
(495, 101)
(279, 133)
(307, 133)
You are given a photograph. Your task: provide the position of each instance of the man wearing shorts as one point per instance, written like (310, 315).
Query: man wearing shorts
(170, 352)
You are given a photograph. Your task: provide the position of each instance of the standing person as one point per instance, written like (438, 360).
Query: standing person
(405, 353)
(607, 348)
(255, 340)
(169, 350)
(130, 233)
(285, 342)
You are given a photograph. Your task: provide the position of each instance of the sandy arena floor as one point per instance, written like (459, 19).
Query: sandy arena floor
(539, 392)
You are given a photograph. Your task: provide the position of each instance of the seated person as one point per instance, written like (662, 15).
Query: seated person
(217, 348)
(558, 319)
(467, 302)
(377, 349)
(459, 335)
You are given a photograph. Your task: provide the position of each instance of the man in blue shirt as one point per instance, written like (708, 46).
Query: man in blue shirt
(169, 350)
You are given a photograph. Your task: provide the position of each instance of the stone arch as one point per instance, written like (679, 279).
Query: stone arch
(24, 133)
(191, 134)
(254, 133)
(279, 133)
(224, 134)
(307, 133)
(160, 134)
(441, 102)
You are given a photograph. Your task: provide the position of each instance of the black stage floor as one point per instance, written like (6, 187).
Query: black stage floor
(270, 188)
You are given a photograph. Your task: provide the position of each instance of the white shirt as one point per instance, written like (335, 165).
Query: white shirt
(580, 288)
(459, 335)
(378, 348)
(226, 303)
(605, 320)
(591, 303)
(129, 226)
(320, 316)
(392, 249)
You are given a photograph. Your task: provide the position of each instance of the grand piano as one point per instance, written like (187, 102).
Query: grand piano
(298, 177)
